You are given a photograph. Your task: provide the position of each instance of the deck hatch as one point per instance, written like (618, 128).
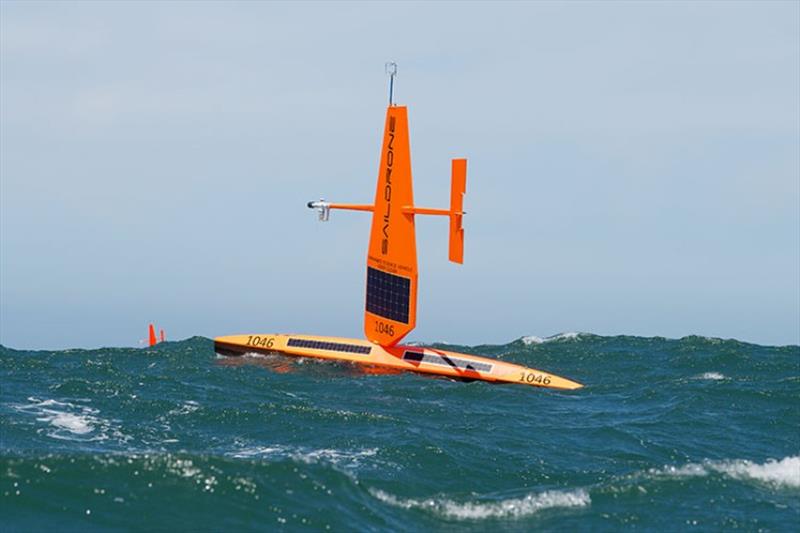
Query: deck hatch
(330, 346)
(444, 360)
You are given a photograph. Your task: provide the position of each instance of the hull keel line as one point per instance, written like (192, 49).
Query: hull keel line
(390, 310)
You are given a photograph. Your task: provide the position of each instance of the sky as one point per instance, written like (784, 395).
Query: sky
(634, 168)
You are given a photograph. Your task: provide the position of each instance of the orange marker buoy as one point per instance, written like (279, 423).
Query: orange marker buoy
(162, 338)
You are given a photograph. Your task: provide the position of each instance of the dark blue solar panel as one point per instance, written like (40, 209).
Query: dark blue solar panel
(388, 295)
(332, 346)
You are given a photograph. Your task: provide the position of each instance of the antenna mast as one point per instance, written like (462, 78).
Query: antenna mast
(391, 70)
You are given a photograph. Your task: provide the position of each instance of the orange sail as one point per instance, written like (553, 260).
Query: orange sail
(152, 337)
(391, 303)
(391, 297)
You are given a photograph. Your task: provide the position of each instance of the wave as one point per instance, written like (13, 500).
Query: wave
(204, 344)
(347, 458)
(585, 336)
(76, 424)
(569, 336)
(71, 421)
(777, 473)
(711, 376)
(477, 510)
(188, 407)
(785, 472)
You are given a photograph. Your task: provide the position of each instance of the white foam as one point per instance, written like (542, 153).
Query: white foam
(188, 407)
(68, 421)
(712, 376)
(510, 508)
(45, 403)
(533, 339)
(334, 456)
(778, 473)
(256, 355)
(260, 451)
(77, 424)
(351, 458)
(785, 472)
(424, 344)
(688, 470)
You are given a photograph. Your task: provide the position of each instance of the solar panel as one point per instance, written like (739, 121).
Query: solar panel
(444, 360)
(388, 295)
(330, 346)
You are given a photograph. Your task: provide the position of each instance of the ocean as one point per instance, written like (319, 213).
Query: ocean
(668, 434)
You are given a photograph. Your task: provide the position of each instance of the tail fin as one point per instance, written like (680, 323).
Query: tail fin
(152, 341)
(457, 189)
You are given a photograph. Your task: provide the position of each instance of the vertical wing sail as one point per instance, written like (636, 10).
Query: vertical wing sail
(151, 340)
(391, 303)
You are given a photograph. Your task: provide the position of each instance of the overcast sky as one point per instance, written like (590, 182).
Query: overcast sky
(634, 168)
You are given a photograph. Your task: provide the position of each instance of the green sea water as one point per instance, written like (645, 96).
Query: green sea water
(688, 434)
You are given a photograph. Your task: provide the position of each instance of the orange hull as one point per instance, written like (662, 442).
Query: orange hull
(404, 358)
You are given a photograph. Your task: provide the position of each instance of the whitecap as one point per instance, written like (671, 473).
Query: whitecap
(785, 472)
(259, 451)
(188, 407)
(257, 355)
(351, 458)
(687, 470)
(68, 421)
(778, 473)
(711, 376)
(77, 424)
(533, 339)
(477, 510)
(423, 344)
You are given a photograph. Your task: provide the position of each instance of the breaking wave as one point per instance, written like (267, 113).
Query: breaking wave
(785, 472)
(533, 339)
(711, 376)
(477, 510)
(70, 421)
(777, 473)
(347, 458)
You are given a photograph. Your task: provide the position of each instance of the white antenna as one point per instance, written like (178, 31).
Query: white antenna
(391, 70)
